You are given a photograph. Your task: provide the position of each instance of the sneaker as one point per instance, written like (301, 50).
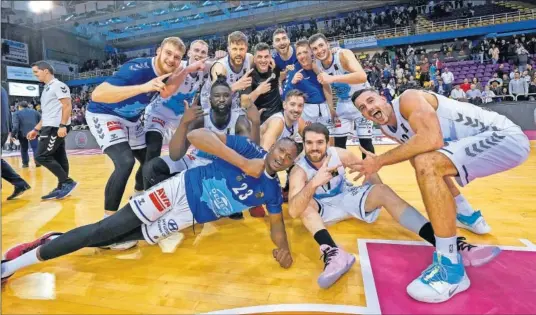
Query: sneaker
(237, 216)
(25, 166)
(476, 256)
(51, 195)
(336, 263)
(18, 191)
(474, 223)
(66, 189)
(440, 281)
(257, 212)
(37, 165)
(20, 249)
(5, 277)
(121, 246)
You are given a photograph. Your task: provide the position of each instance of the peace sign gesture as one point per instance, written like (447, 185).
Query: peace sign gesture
(192, 113)
(367, 167)
(325, 173)
(156, 84)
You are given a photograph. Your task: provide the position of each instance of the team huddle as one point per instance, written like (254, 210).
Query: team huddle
(239, 119)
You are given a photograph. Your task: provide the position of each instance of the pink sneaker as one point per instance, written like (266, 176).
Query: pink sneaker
(336, 263)
(476, 255)
(20, 249)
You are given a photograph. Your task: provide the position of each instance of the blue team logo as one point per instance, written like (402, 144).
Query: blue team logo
(130, 110)
(219, 198)
(176, 102)
(342, 90)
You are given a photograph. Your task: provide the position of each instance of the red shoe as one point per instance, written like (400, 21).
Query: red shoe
(257, 212)
(19, 250)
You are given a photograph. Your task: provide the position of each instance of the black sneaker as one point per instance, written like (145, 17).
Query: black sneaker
(18, 191)
(66, 189)
(51, 195)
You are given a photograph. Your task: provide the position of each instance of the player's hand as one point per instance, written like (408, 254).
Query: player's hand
(156, 84)
(244, 82)
(220, 54)
(324, 78)
(62, 132)
(366, 167)
(283, 257)
(297, 77)
(197, 66)
(265, 85)
(253, 167)
(324, 173)
(192, 113)
(254, 114)
(31, 135)
(333, 113)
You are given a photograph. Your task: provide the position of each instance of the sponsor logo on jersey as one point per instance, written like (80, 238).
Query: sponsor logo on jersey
(219, 201)
(159, 121)
(160, 199)
(113, 125)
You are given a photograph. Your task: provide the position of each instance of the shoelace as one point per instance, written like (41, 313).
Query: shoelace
(435, 272)
(327, 255)
(462, 244)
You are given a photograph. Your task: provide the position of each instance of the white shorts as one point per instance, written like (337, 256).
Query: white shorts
(350, 203)
(345, 125)
(319, 113)
(160, 123)
(163, 209)
(487, 153)
(365, 128)
(188, 161)
(109, 130)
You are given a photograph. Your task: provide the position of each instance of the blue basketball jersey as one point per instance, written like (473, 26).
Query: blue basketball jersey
(220, 189)
(282, 64)
(134, 72)
(309, 85)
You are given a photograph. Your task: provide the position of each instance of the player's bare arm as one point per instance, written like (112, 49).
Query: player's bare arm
(273, 130)
(108, 93)
(191, 120)
(279, 238)
(328, 93)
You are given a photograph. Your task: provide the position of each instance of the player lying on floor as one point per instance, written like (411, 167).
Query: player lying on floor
(243, 176)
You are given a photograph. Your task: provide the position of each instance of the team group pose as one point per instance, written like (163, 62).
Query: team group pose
(232, 132)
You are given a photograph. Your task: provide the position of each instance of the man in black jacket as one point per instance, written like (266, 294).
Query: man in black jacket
(24, 120)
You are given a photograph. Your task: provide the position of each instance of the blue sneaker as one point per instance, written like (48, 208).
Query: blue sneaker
(474, 223)
(51, 195)
(440, 281)
(66, 189)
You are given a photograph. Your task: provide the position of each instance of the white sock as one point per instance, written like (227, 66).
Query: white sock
(447, 247)
(462, 206)
(28, 259)
(106, 215)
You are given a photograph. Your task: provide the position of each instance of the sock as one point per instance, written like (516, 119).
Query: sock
(322, 237)
(462, 206)
(427, 233)
(412, 220)
(448, 247)
(28, 259)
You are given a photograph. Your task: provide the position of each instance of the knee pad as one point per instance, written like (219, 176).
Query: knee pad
(156, 171)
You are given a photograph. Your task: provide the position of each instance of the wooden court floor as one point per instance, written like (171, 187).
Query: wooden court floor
(226, 264)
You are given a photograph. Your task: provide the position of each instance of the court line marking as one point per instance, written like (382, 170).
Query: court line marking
(371, 294)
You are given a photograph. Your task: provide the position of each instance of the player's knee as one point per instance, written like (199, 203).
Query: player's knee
(427, 164)
(155, 171)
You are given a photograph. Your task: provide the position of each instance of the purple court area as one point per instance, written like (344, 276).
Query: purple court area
(506, 285)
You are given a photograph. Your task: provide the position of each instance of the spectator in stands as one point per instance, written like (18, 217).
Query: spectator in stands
(448, 79)
(522, 57)
(495, 78)
(505, 80)
(530, 71)
(24, 121)
(458, 94)
(440, 87)
(465, 86)
(494, 52)
(532, 90)
(526, 76)
(476, 82)
(519, 87)
(474, 95)
(487, 95)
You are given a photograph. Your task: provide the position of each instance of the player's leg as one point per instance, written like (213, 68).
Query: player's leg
(156, 170)
(140, 183)
(123, 159)
(336, 261)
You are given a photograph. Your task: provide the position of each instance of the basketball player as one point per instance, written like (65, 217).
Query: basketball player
(319, 103)
(243, 176)
(114, 112)
(343, 72)
(319, 195)
(220, 119)
(285, 56)
(53, 128)
(236, 67)
(286, 124)
(443, 138)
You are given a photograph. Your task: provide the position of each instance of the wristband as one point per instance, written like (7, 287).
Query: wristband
(36, 130)
(63, 126)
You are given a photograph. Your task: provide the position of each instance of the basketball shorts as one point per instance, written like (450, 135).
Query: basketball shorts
(348, 204)
(161, 123)
(347, 114)
(317, 113)
(163, 209)
(487, 153)
(186, 162)
(109, 130)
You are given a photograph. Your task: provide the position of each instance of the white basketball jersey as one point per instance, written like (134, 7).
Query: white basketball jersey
(289, 132)
(232, 77)
(336, 185)
(229, 128)
(458, 120)
(173, 106)
(343, 91)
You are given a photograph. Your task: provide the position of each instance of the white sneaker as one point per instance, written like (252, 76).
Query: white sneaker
(474, 223)
(121, 246)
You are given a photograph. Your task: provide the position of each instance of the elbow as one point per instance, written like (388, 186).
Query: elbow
(362, 77)
(436, 144)
(96, 95)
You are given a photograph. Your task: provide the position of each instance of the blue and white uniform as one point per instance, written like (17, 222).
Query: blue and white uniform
(112, 123)
(346, 111)
(282, 64)
(165, 113)
(206, 193)
(337, 200)
(288, 131)
(316, 108)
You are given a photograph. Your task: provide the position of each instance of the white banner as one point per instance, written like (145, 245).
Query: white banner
(18, 52)
(23, 89)
(20, 74)
(361, 42)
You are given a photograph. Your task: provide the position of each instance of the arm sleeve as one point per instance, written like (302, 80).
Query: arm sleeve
(274, 199)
